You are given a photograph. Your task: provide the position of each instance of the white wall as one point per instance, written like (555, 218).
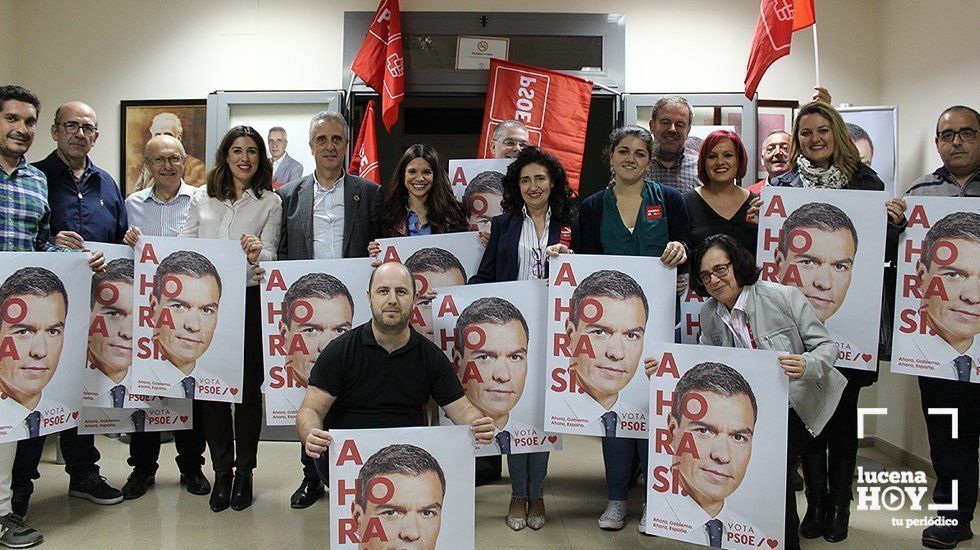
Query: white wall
(125, 52)
(919, 55)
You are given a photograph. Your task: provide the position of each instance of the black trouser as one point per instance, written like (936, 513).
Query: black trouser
(309, 466)
(235, 443)
(488, 469)
(953, 459)
(144, 448)
(798, 438)
(81, 459)
(838, 440)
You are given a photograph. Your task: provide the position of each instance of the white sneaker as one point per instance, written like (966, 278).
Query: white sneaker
(643, 521)
(614, 518)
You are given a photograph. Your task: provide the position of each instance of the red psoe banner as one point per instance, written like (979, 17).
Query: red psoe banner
(380, 62)
(554, 106)
(364, 161)
(778, 19)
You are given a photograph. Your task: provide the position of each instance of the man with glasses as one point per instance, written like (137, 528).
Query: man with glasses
(954, 458)
(161, 210)
(86, 205)
(509, 138)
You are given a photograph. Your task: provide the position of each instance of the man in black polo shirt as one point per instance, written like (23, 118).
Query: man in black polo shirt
(382, 373)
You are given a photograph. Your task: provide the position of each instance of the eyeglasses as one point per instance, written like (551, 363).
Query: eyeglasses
(71, 127)
(718, 271)
(537, 269)
(174, 160)
(966, 134)
(515, 143)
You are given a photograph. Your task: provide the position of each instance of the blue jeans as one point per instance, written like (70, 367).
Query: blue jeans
(617, 455)
(527, 473)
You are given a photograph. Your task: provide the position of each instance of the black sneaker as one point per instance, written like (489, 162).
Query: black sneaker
(136, 485)
(14, 533)
(945, 536)
(96, 490)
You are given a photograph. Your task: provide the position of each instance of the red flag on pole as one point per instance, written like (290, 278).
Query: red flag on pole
(364, 161)
(380, 62)
(554, 106)
(773, 35)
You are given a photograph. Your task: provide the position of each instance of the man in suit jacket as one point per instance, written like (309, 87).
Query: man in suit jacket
(327, 214)
(285, 168)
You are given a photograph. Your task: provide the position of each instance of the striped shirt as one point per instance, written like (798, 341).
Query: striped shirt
(25, 215)
(737, 322)
(531, 248)
(157, 218)
(683, 175)
(941, 184)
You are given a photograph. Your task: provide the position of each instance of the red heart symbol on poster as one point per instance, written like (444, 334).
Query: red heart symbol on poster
(234, 391)
(772, 543)
(74, 415)
(183, 418)
(866, 357)
(552, 439)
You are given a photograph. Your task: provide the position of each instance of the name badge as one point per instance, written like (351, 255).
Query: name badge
(655, 212)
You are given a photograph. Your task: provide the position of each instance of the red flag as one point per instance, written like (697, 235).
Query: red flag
(380, 62)
(773, 35)
(364, 161)
(554, 106)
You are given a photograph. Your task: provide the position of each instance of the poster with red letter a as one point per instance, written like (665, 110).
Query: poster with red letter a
(552, 105)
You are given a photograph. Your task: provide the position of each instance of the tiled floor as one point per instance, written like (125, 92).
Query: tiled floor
(168, 517)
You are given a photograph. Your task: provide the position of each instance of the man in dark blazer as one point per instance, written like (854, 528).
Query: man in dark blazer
(327, 214)
(286, 168)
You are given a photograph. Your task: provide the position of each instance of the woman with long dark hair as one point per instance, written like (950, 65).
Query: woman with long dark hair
(538, 207)
(418, 199)
(238, 203)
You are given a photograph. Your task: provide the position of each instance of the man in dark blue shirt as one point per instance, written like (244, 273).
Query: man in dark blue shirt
(86, 205)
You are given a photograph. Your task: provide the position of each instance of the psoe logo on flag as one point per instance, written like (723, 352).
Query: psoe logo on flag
(783, 11)
(520, 95)
(396, 65)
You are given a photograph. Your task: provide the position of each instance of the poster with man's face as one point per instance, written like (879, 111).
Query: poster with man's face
(436, 261)
(874, 131)
(402, 488)
(44, 314)
(306, 305)
(478, 186)
(190, 323)
(604, 313)
(495, 334)
(829, 243)
(937, 302)
(718, 428)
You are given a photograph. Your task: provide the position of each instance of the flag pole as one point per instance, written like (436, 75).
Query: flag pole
(350, 85)
(816, 53)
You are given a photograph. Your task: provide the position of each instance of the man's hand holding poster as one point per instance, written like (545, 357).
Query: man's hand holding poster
(306, 304)
(189, 336)
(495, 335)
(601, 324)
(937, 307)
(718, 429)
(830, 243)
(44, 310)
(402, 488)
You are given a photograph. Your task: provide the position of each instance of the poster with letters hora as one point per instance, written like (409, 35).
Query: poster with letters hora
(188, 341)
(44, 310)
(605, 313)
(495, 335)
(937, 306)
(718, 428)
(449, 259)
(306, 304)
(402, 488)
(830, 243)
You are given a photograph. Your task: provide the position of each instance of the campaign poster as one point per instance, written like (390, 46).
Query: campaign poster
(436, 261)
(152, 414)
(306, 304)
(44, 310)
(189, 333)
(495, 335)
(402, 488)
(937, 302)
(690, 305)
(830, 243)
(478, 186)
(718, 429)
(874, 131)
(605, 315)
